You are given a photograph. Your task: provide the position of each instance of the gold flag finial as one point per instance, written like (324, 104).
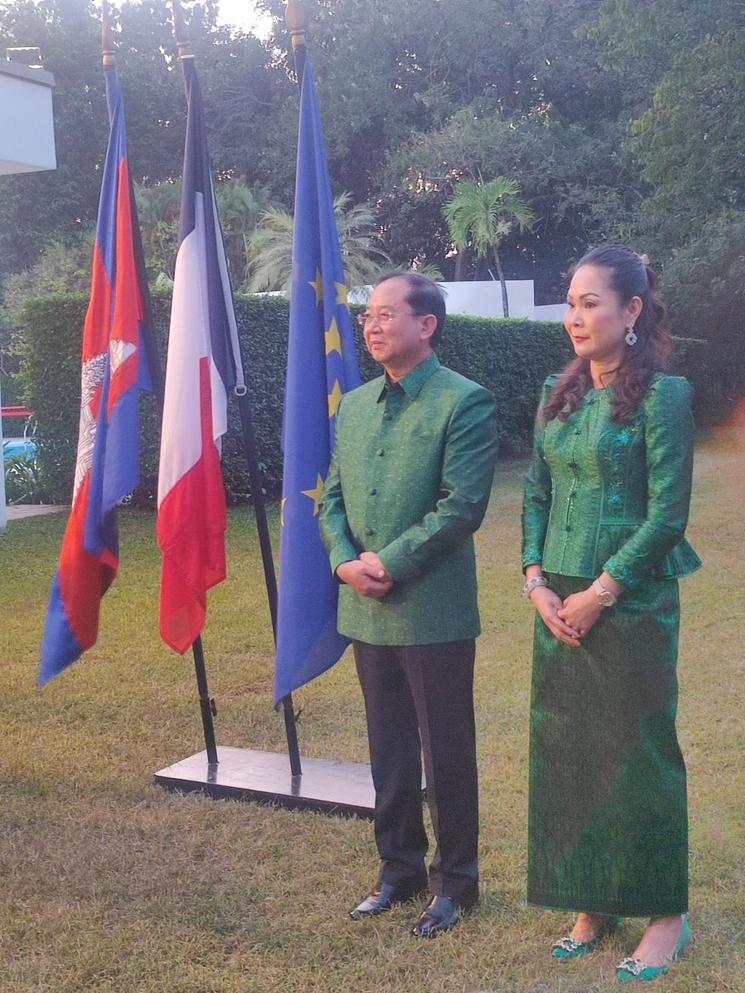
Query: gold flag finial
(180, 31)
(108, 51)
(296, 19)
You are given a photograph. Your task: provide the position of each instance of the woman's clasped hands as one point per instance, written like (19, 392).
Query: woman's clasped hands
(568, 620)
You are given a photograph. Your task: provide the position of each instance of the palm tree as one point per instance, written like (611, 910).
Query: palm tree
(158, 208)
(238, 205)
(270, 251)
(270, 246)
(480, 215)
(240, 208)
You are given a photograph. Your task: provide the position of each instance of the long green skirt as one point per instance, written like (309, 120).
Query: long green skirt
(608, 826)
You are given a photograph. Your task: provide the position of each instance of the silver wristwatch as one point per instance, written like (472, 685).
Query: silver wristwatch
(605, 597)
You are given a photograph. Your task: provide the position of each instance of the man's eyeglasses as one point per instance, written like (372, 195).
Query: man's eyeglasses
(384, 317)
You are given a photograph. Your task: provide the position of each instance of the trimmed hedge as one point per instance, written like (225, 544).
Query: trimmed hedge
(511, 357)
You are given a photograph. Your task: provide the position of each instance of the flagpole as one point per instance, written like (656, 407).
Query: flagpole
(184, 45)
(108, 60)
(108, 51)
(207, 705)
(296, 19)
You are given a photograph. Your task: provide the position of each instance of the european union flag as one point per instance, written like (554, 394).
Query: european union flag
(321, 367)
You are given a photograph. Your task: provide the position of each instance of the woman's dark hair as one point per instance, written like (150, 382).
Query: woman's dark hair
(424, 296)
(630, 276)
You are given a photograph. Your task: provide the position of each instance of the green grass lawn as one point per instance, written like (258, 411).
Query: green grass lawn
(110, 883)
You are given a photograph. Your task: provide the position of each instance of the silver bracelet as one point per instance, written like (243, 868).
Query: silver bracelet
(533, 584)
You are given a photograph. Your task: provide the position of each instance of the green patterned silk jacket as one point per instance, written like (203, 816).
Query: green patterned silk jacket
(603, 496)
(410, 480)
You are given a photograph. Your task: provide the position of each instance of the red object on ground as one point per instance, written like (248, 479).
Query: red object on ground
(15, 410)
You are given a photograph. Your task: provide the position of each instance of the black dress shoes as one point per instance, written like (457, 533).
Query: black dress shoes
(383, 899)
(440, 914)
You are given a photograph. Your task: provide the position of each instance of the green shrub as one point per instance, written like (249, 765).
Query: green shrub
(22, 481)
(51, 330)
(704, 284)
(511, 357)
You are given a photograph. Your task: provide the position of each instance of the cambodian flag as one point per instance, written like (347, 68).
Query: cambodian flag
(114, 368)
(204, 363)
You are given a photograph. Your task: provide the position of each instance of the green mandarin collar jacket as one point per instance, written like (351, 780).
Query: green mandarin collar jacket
(603, 496)
(410, 480)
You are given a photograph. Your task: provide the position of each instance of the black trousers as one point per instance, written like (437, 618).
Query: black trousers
(419, 700)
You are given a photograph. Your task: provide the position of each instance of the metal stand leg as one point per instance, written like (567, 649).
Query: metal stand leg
(207, 705)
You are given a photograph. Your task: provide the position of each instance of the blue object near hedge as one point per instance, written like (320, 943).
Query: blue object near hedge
(19, 448)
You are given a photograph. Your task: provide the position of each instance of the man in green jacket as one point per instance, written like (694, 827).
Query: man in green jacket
(407, 487)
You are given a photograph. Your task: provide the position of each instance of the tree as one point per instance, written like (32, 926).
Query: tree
(640, 41)
(480, 215)
(62, 267)
(683, 97)
(547, 94)
(80, 130)
(240, 208)
(243, 87)
(691, 142)
(158, 209)
(704, 284)
(271, 246)
(387, 69)
(413, 231)
(582, 185)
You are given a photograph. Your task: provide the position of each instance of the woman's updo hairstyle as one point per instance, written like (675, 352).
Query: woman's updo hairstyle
(630, 276)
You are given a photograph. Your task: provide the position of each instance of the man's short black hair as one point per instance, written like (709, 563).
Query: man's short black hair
(424, 296)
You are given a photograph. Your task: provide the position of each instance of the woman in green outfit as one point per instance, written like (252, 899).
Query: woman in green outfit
(606, 504)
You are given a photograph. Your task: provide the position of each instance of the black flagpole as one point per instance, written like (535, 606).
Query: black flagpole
(254, 472)
(207, 705)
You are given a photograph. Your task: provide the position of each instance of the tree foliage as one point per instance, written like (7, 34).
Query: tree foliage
(159, 206)
(270, 246)
(480, 216)
(704, 283)
(691, 141)
(241, 86)
(620, 120)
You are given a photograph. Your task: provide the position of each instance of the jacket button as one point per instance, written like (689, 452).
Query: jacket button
(387, 417)
(373, 492)
(381, 451)
(369, 531)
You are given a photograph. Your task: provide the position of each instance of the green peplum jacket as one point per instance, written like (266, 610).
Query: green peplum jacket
(603, 496)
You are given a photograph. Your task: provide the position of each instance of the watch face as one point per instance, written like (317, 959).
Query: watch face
(606, 599)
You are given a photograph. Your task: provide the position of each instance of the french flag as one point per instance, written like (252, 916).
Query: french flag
(204, 364)
(117, 339)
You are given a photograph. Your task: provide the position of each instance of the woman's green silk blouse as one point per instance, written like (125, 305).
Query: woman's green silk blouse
(600, 496)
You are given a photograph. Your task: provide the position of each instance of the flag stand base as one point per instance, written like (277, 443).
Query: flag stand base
(343, 788)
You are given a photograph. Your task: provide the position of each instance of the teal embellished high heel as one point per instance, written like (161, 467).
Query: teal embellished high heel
(568, 948)
(631, 969)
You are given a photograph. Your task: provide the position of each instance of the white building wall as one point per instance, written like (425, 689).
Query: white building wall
(26, 145)
(26, 124)
(483, 298)
(550, 312)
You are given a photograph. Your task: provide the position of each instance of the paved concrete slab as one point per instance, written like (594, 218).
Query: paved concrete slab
(20, 511)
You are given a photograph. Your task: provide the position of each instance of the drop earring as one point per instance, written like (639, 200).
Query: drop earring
(631, 337)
